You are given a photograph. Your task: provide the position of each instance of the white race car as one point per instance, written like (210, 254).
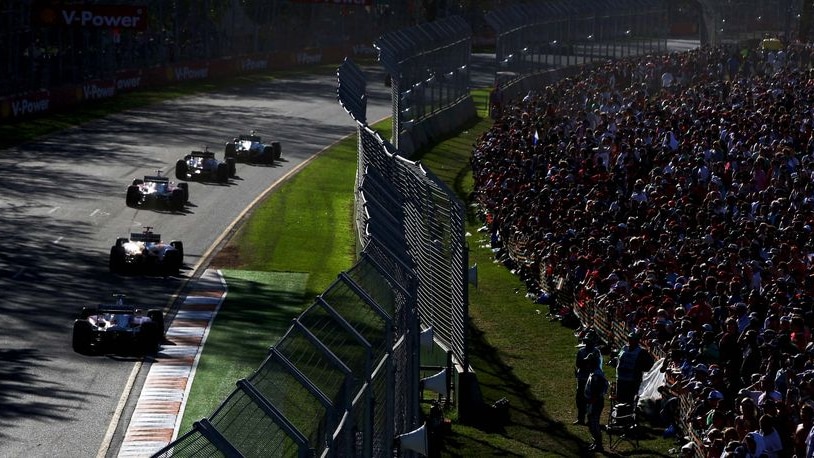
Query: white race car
(146, 253)
(250, 148)
(118, 328)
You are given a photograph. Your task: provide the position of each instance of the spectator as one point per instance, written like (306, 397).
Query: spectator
(583, 370)
(632, 362)
(595, 390)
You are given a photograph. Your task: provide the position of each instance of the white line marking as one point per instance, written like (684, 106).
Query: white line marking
(94, 212)
(58, 240)
(53, 210)
(114, 422)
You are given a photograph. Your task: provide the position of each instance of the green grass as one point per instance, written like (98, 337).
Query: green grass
(257, 311)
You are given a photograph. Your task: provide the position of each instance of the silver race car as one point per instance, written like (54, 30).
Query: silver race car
(157, 191)
(146, 253)
(117, 328)
(250, 148)
(203, 166)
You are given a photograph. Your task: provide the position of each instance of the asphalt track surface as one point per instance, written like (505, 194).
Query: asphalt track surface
(62, 206)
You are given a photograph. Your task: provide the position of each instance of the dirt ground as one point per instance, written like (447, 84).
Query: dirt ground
(227, 258)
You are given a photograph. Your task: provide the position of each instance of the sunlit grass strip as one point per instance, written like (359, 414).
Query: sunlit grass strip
(257, 311)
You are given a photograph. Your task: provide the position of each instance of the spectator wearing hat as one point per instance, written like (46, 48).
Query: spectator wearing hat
(595, 390)
(754, 445)
(632, 362)
(583, 371)
(703, 408)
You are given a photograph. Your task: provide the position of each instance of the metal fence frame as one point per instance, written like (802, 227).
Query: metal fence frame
(429, 70)
(335, 384)
(536, 37)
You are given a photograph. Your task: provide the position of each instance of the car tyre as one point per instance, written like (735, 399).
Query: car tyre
(232, 162)
(172, 263)
(116, 264)
(278, 150)
(133, 196)
(181, 169)
(177, 199)
(82, 336)
(179, 246)
(230, 150)
(184, 187)
(223, 173)
(157, 317)
(268, 155)
(150, 338)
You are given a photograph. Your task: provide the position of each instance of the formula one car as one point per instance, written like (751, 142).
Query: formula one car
(157, 191)
(118, 328)
(202, 166)
(250, 148)
(145, 253)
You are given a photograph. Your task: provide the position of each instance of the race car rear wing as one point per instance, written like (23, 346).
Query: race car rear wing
(145, 237)
(156, 179)
(204, 154)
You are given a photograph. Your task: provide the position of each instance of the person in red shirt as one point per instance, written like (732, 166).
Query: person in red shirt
(700, 313)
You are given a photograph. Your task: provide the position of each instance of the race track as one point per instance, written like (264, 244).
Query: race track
(62, 206)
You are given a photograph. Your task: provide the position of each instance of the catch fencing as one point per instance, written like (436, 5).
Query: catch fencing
(344, 380)
(336, 384)
(405, 206)
(428, 67)
(531, 38)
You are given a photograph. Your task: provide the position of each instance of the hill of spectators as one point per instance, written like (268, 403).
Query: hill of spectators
(677, 191)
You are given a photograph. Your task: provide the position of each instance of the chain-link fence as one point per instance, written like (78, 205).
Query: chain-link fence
(403, 205)
(338, 383)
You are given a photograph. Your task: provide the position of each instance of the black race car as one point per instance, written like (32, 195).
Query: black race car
(250, 148)
(203, 166)
(145, 253)
(118, 328)
(157, 191)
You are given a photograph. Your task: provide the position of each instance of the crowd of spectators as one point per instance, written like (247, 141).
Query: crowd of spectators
(676, 192)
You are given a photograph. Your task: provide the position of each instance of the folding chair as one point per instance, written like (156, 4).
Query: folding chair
(623, 426)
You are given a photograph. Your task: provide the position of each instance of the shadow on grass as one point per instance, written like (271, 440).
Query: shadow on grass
(528, 429)
(527, 422)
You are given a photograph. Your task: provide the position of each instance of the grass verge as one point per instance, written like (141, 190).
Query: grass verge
(257, 311)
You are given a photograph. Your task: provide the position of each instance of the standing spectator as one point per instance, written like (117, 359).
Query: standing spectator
(583, 371)
(805, 425)
(595, 389)
(772, 444)
(633, 362)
